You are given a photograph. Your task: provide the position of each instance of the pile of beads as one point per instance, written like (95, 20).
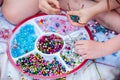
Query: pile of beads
(24, 41)
(50, 44)
(98, 30)
(69, 53)
(54, 24)
(37, 65)
(74, 59)
(44, 47)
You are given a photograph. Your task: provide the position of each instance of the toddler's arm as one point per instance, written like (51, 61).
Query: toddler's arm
(113, 44)
(104, 5)
(49, 6)
(90, 49)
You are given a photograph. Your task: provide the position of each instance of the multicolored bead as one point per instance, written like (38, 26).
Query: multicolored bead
(37, 65)
(50, 44)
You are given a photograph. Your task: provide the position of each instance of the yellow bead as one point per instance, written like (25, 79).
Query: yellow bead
(22, 78)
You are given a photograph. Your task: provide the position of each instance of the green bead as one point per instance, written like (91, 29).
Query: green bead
(23, 58)
(46, 44)
(36, 54)
(55, 58)
(68, 52)
(41, 49)
(75, 18)
(62, 42)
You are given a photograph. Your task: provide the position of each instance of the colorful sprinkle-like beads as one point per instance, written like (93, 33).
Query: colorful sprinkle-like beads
(50, 44)
(37, 65)
(55, 24)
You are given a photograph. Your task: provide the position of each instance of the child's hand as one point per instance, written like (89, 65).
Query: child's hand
(49, 6)
(90, 49)
(83, 14)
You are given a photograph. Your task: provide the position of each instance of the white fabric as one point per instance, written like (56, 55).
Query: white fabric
(8, 72)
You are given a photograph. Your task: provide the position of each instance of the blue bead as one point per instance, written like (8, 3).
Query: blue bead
(57, 25)
(25, 39)
(114, 54)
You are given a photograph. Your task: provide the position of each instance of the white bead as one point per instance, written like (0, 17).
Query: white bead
(2, 49)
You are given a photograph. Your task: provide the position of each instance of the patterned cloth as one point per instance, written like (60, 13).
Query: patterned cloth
(108, 66)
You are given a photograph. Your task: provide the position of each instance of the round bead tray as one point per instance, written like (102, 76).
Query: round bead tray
(43, 46)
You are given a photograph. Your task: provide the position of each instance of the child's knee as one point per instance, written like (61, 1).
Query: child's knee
(11, 14)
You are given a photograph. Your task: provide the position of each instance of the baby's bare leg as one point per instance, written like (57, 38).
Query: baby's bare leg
(17, 10)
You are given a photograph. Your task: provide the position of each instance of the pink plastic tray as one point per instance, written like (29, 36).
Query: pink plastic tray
(43, 46)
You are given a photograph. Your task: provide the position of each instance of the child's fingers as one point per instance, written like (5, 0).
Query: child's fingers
(44, 10)
(50, 9)
(73, 23)
(73, 13)
(81, 24)
(85, 57)
(56, 3)
(81, 52)
(82, 47)
(80, 42)
(48, 6)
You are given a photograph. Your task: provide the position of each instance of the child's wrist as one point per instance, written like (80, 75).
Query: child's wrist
(92, 12)
(95, 10)
(108, 47)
